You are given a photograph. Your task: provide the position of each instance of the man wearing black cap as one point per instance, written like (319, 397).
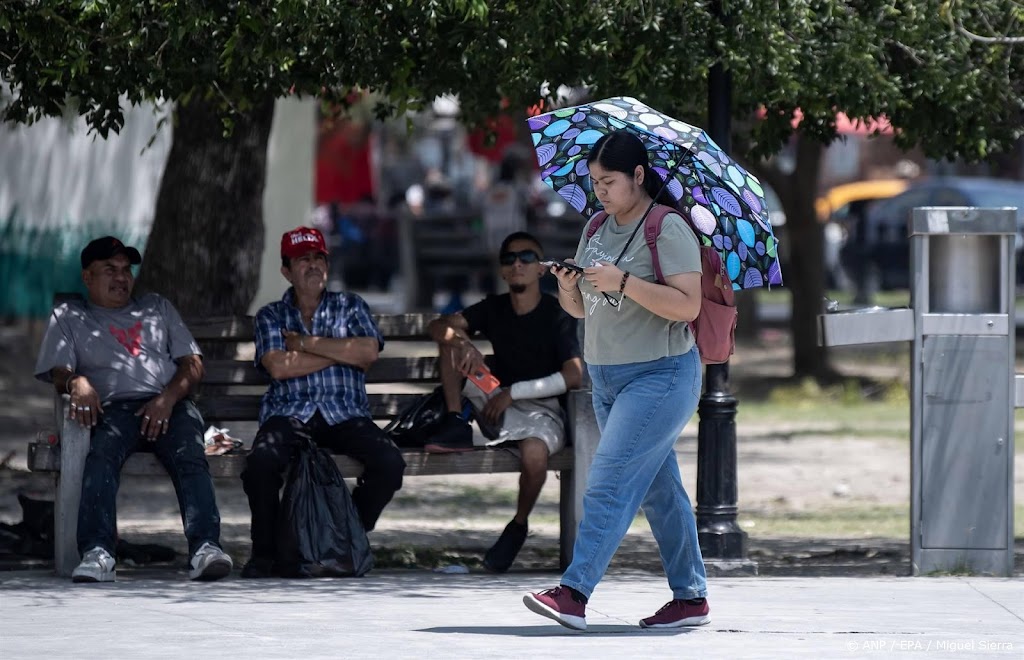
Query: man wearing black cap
(128, 365)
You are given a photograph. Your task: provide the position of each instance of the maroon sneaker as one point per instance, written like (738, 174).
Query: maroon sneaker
(679, 613)
(558, 604)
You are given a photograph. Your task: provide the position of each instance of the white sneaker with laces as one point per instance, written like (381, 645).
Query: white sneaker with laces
(97, 566)
(209, 563)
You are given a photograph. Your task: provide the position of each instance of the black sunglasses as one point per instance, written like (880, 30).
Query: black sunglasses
(526, 256)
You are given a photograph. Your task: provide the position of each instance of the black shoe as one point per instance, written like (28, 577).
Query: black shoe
(501, 555)
(259, 568)
(454, 435)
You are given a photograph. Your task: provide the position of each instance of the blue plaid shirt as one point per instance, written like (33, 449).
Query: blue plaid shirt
(338, 391)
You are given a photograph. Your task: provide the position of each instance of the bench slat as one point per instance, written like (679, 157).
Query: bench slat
(384, 370)
(246, 407)
(240, 328)
(46, 458)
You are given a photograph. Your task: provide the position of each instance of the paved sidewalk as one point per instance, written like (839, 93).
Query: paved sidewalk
(159, 614)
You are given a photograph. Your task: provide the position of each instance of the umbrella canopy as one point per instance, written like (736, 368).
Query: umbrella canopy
(725, 202)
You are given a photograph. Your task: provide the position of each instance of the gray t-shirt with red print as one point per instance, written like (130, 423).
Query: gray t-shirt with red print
(126, 353)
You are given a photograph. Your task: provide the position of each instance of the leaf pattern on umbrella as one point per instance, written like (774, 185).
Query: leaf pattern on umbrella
(724, 201)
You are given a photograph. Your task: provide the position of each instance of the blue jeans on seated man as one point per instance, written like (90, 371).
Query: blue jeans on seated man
(641, 409)
(180, 449)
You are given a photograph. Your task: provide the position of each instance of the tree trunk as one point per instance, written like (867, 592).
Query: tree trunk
(748, 325)
(805, 275)
(206, 244)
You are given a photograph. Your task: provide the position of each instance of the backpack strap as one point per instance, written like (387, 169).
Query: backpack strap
(595, 223)
(652, 229)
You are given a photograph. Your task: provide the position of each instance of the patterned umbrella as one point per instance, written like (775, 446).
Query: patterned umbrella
(724, 201)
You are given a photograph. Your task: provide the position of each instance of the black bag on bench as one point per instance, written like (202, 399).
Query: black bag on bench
(415, 425)
(320, 534)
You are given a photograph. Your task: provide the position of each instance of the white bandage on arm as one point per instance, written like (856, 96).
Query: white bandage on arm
(539, 388)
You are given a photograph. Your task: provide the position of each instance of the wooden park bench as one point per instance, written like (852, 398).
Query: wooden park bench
(230, 393)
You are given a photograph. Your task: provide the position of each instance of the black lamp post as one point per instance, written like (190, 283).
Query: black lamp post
(720, 536)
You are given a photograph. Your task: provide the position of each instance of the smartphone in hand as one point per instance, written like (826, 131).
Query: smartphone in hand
(484, 379)
(561, 264)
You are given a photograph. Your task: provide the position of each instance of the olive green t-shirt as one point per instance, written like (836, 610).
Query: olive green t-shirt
(631, 333)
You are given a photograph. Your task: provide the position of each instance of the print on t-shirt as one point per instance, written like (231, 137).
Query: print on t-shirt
(130, 338)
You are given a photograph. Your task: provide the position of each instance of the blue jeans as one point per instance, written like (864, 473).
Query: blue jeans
(180, 450)
(641, 409)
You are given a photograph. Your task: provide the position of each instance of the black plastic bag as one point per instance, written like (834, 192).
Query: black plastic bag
(415, 425)
(320, 534)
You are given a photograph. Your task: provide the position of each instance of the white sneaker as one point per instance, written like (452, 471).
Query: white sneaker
(97, 566)
(209, 563)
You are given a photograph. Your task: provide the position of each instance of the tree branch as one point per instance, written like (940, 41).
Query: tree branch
(958, 25)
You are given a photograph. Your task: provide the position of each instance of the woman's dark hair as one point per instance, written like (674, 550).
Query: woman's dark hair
(622, 151)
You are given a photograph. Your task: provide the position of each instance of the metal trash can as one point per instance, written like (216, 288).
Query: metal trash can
(962, 327)
(962, 389)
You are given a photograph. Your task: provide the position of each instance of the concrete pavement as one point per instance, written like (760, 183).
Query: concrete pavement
(417, 614)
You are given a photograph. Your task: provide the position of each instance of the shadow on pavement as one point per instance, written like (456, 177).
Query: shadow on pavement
(557, 631)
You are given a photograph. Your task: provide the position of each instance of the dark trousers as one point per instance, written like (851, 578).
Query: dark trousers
(180, 450)
(278, 441)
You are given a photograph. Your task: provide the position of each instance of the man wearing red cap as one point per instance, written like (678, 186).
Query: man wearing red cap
(316, 345)
(129, 365)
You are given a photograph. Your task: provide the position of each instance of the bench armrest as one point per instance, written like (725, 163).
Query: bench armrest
(583, 438)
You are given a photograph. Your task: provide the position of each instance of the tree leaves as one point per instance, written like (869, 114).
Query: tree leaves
(954, 96)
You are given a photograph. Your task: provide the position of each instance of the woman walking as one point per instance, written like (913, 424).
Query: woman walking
(646, 375)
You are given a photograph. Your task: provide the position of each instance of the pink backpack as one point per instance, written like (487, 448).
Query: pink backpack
(714, 329)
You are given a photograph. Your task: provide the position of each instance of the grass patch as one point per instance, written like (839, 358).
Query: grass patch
(847, 523)
(845, 408)
(783, 295)
(420, 557)
(867, 420)
(808, 393)
(459, 499)
(853, 522)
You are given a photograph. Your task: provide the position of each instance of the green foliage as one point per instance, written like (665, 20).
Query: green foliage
(808, 394)
(953, 95)
(828, 521)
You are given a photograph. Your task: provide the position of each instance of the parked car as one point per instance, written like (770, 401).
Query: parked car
(842, 209)
(876, 254)
(839, 202)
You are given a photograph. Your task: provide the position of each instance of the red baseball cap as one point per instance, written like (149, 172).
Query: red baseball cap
(302, 240)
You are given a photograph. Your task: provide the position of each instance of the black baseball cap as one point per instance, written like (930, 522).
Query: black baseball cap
(105, 248)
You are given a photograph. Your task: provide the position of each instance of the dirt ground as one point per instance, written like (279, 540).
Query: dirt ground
(786, 470)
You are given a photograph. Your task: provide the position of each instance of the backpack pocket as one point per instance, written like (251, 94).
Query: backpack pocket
(714, 330)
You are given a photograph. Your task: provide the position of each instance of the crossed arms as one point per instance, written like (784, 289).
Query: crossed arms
(306, 354)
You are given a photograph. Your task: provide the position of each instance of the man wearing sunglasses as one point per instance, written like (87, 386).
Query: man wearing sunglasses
(536, 359)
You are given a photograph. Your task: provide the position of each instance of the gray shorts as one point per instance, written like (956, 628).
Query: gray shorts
(527, 418)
